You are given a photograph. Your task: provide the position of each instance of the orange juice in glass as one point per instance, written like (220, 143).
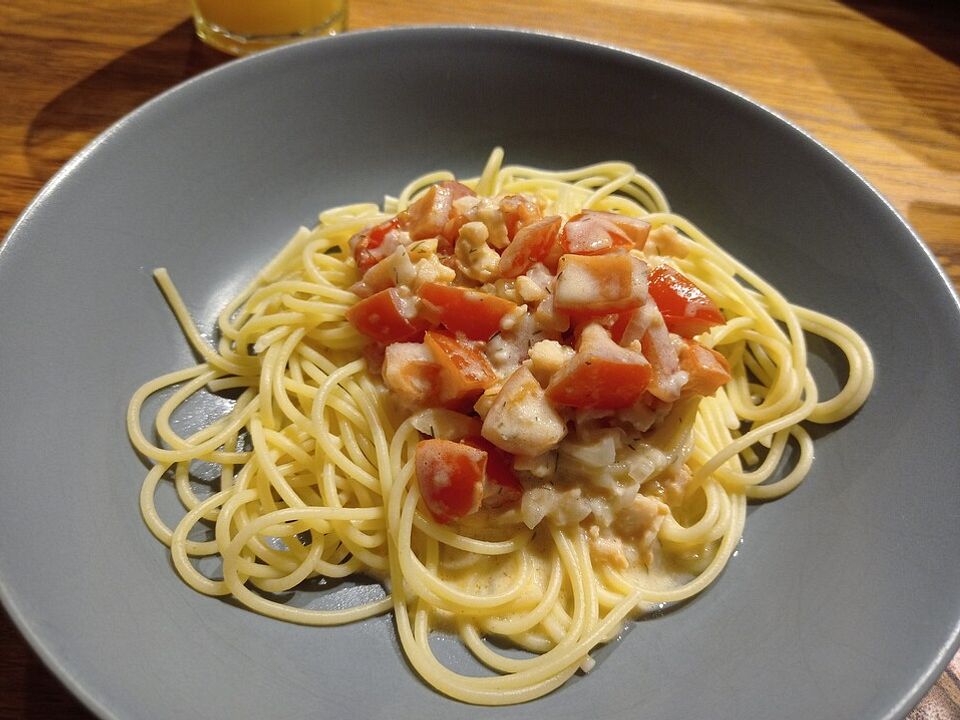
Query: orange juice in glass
(243, 26)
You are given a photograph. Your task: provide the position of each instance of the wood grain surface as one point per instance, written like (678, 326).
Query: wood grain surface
(876, 82)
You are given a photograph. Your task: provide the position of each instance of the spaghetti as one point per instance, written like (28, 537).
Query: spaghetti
(317, 462)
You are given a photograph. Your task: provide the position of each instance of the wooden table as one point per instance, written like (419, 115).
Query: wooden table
(877, 82)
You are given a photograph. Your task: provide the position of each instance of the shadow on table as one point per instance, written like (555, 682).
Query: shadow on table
(934, 24)
(27, 689)
(921, 69)
(94, 103)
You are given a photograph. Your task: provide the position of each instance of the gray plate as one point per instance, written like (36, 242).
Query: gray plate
(844, 598)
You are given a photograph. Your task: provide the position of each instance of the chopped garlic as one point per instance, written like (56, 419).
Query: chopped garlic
(510, 320)
(430, 269)
(529, 290)
(476, 259)
(548, 357)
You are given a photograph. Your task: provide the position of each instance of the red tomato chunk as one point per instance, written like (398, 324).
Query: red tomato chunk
(593, 233)
(518, 211)
(369, 246)
(600, 284)
(601, 375)
(381, 318)
(686, 309)
(500, 487)
(462, 310)
(433, 215)
(707, 369)
(450, 476)
(411, 371)
(465, 371)
(533, 243)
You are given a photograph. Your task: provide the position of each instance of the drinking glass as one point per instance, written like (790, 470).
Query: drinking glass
(239, 27)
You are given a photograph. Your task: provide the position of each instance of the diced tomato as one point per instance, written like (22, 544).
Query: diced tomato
(533, 243)
(600, 284)
(500, 487)
(645, 324)
(457, 190)
(381, 276)
(622, 322)
(592, 232)
(707, 369)
(368, 245)
(518, 211)
(600, 383)
(660, 352)
(450, 476)
(633, 324)
(456, 219)
(433, 214)
(601, 375)
(462, 310)
(465, 371)
(381, 318)
(686, 310)
(412, 373)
